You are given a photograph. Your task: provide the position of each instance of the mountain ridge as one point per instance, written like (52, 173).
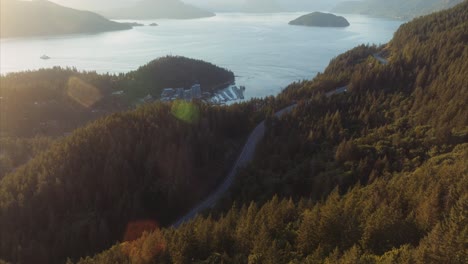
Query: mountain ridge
(394, 9)
(158, 9)
(44, 18)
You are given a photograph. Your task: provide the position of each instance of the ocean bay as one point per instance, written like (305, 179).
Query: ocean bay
(264, 52)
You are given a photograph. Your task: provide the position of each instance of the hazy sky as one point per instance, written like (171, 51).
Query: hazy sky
(214, 5)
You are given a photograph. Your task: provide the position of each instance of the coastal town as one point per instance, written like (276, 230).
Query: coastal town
(195, 92)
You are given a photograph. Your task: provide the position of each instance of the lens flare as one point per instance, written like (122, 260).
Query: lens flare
(82, 92)
(136, 229)
(186, 111)
(144, 242)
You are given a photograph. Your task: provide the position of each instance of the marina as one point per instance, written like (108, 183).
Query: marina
(229, 94)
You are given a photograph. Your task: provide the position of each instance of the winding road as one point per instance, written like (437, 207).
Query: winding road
(244, 158)
(381, 59)
(247, 155)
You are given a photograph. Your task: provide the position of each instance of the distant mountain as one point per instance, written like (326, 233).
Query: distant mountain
(153, 9)
(39, 18)
(94, 5)
(308, 5)
(400, 9)
(262, 6)
(273, 6)
(318, 19)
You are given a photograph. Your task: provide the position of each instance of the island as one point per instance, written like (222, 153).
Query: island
(42, 18)
(318, 19)
(153, 25)
(157, 9)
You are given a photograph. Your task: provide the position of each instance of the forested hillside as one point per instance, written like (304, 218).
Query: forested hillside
(80, 191)
(417, 217)
(51, 102)
(89, 189)
(175, 72)
(15, 152)
(374, 175)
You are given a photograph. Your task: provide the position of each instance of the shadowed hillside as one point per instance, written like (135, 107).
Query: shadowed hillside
(92, 188)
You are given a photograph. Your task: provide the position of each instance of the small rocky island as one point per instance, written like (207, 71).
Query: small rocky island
(318, 19)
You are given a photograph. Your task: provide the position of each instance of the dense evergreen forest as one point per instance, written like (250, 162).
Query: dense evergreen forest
(79, 196)
(375, 175)
(15, 152)
(51, 102)
(39, 109)
(415, 217)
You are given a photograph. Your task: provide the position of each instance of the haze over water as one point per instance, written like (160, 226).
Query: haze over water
(265, 53)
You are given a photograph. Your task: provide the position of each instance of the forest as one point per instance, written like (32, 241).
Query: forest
(17, 151)
(407, 218)
(374, 175)
(78, 197)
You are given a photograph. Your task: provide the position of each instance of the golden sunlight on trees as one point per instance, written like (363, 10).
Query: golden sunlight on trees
(145, 249)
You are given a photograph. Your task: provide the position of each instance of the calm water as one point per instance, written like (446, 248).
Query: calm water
(264, 52)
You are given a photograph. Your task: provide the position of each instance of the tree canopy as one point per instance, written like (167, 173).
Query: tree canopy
(376, 174)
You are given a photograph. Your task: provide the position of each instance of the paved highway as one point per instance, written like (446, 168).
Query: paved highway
(380, 59)
(244, 158)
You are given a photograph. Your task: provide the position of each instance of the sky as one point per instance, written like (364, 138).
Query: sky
(213, 5)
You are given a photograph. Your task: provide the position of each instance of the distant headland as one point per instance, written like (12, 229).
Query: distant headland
(27, 19)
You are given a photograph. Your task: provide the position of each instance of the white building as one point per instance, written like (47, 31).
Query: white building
(196, 91)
